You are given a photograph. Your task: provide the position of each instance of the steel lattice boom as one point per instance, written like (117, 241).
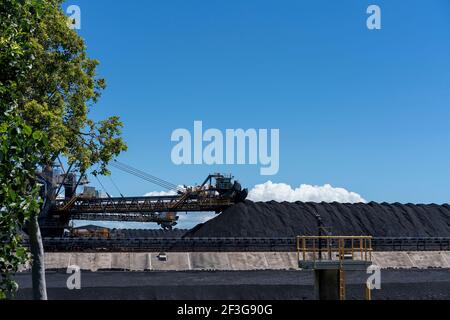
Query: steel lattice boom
(215, 194)
(125, 205)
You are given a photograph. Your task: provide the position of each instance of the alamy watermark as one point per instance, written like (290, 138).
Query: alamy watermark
(74, 18)
(374, 20)
(74, 280)
(234, 146)
(374, 280)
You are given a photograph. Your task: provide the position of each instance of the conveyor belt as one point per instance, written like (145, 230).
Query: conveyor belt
(133, 205)
(224, 244)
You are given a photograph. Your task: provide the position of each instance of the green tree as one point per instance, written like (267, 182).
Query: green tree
(48, 85)
(19, 194)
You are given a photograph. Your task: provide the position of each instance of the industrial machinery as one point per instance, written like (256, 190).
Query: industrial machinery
(90, 231)
(215, 194)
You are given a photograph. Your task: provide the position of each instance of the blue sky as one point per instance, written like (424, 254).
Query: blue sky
(366, 110)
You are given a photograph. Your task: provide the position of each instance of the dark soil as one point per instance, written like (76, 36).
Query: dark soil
(262, 285)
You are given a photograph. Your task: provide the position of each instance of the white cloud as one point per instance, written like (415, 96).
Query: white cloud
(164, 193)
(283, 192)
(160, 193)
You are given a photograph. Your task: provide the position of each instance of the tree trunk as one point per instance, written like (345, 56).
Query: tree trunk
(38, 265)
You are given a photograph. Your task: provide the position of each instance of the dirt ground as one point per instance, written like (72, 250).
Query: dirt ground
(248, 285)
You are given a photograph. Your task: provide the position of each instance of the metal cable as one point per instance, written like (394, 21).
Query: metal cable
(145, 176)
(117, 188)
(103, 187)
(149, 176)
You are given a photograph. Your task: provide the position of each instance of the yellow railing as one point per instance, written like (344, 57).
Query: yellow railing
(316, 247)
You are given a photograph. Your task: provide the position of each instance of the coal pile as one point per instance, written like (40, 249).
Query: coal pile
(430, 284)
(274, 219)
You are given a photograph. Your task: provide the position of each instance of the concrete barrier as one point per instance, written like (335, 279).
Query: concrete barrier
(57, 260)
(237, 260)
(429, 260)
(256, 261)
(398, 260)
(138, 262)
(87, 260)
(277, 260)
(210, 261)
(292, 260)
(102, 261)
(120, 261)
(180, 261)
(446, 256)
(175, 262)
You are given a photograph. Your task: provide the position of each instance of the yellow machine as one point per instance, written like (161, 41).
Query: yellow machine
(90, 232)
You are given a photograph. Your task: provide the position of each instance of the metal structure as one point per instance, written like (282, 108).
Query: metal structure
(105, 208)
(178, 244)
(170, 244)
(334, 248)
(215, 194)
(330, 257)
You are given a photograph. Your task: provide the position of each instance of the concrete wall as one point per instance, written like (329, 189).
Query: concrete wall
(409, 260)
(227, 260)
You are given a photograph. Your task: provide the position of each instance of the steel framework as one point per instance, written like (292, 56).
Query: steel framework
(228, 244)
(135, 207)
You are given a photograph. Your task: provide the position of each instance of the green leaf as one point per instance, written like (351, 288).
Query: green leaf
(37, 135)
(27, 130)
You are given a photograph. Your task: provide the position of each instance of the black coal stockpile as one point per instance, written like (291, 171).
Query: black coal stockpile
(273, 219)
